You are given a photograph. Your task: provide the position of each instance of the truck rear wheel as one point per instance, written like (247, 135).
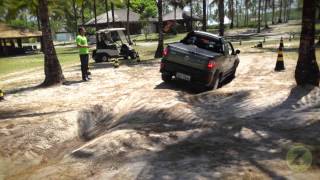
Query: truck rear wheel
(166, 77)
(215, 83)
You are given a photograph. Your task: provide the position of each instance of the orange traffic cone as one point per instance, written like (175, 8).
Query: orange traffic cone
(280, 63)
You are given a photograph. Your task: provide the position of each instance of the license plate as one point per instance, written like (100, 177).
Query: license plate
(183, 76)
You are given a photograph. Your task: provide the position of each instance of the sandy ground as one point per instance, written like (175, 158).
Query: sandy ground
(127, 124)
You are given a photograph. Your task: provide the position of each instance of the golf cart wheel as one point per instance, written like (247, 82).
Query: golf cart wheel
(133, 55)
(104, 58)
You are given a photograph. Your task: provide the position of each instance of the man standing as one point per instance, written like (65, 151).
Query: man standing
(82, 44)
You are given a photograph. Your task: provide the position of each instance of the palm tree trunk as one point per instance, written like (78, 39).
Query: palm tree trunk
(75, 15)
(158, 53)
(112, 12)
(265, 14)
(191, 14)
(82, 12)
(95, 14)
(175, 13)
(204, 16)
(52, 68)
(285, 10)
(107, 9)
(237, 12)
(273, 8)
(221, 17)
(280, 12)
(128, 21)
(307, 69)
(40, 39)
(259, 17)
(231, 9)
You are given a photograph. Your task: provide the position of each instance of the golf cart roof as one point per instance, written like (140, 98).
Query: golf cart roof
(111, 29)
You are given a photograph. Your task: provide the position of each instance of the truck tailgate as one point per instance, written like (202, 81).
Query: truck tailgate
(190, 55)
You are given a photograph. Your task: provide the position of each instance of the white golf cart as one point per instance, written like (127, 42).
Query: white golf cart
(112, 43)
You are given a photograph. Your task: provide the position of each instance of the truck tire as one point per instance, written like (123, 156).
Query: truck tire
(166, 77)
(215, 83)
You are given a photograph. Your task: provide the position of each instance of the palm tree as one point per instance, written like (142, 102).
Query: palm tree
(204, 16)
(265, 14)
(247, 4)
(259, 17)
(95, 14)
(52, 68)
(107, 9)
(231, 12)
(158, 53)
(128, 21)
(75, 15)
(280, 12)
(221, 17)
(307, 69)
(191, 14)
(273, 8)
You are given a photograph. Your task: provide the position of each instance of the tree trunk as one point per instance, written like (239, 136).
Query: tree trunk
(259, 17)
(191, 14)
(75, 15)
(112, 12)
(289, 10)
(95, 15)
(273, 8)
(231, 9)
(237, 12)
(247, 14)
(40, 39)
(307, 70)
(128, 21)
(107, 9)
(175, 13)
(82, 12)
(159, 51)
(280, 12)
(221, 17)
(285, 10)
(204, 16)
(265, 14)
(52, 68)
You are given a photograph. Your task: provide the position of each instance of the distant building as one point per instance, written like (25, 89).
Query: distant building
(182, 20)
(64, 36)
(11, 40)
(120, 20)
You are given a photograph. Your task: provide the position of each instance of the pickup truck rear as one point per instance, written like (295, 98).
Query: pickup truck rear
(200, 58)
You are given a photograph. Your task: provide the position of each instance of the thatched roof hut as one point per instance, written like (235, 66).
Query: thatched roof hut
(10, 36)
(7, 32)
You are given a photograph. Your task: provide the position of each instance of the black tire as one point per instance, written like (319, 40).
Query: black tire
(133, 55)
(104, 58)
(215, 83)
(166, 77)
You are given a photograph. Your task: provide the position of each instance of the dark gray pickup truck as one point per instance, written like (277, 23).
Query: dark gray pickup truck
(202, 58)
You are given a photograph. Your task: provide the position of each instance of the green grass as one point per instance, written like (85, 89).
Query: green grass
(9, 65)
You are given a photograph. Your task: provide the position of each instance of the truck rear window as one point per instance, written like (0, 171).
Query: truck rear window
(204, 43)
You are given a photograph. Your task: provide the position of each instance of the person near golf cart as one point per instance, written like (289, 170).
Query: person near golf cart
(82, 44)
(112, 43)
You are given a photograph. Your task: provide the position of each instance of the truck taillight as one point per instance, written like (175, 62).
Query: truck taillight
(211, 65)
(165, 52)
